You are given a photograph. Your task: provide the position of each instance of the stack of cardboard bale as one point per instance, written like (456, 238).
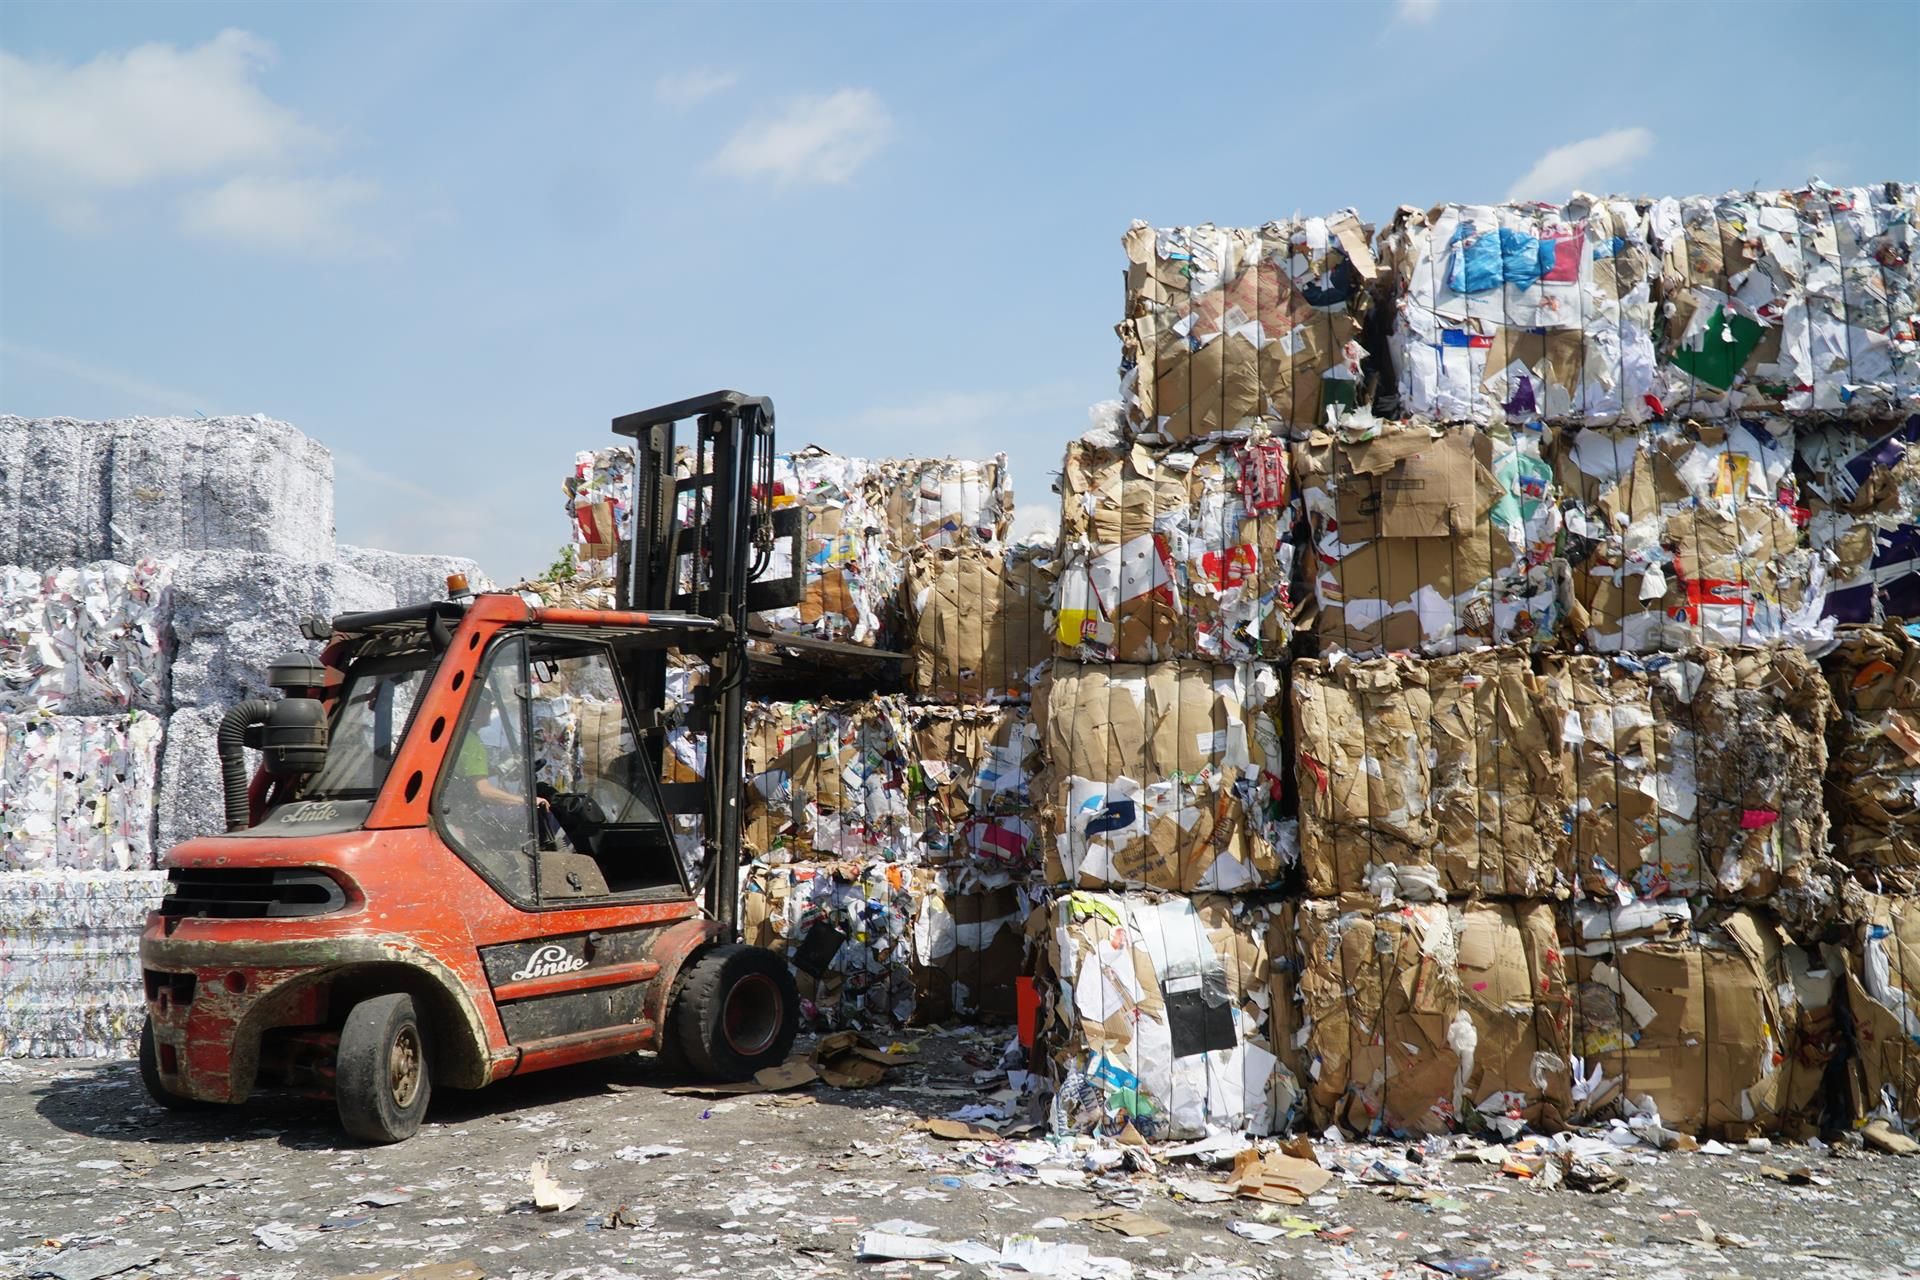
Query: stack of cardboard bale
(150, 569)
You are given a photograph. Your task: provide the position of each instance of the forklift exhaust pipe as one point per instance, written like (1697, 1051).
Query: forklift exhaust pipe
(231, 744)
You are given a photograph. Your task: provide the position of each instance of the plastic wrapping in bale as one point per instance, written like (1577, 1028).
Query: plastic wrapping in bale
(1172, 1015)
(413, 579)
(1428, 779)
(1175, 553)
(1882, 965)
(77, 792)
(1428, 538)
(1801, 301)
(1719, 1023)
(1873, 771)
(1863, 487)
(975, 621)
(1517, 313)
(1692, 773)
(1227, 327)
(85, 639)
(1432, 1018)
(1165, 775)
(1690, 533)
(139, 488)
(69, 961)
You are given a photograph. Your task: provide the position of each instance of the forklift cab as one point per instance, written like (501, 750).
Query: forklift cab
(460, 859)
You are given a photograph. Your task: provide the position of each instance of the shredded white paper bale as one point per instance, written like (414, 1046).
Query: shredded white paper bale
(85, 639)
(413, 579)
(69, 961)
(77, 792)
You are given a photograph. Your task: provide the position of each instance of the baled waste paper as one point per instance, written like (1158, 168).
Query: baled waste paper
(1425, 779)
(88, 639)
(69, 962)
(1164, 775)
(1873, 782)
(1228, 327)
(77, 792)
(1883, 1000)
(1433, 1017)
(1183, 552)
(828, 780)
(976, 621)
(969, 775)
(1862, 490)
(1801, 301)
(1522, 312)
(1696, 772)
(1428, 538)
(413, 579)
(1715, 1022)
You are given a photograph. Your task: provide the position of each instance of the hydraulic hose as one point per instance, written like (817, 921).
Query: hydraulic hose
(231, 744)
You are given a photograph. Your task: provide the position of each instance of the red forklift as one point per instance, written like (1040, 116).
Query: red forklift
(458, 860)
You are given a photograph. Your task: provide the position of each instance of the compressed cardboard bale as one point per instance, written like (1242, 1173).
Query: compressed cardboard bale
(1428, 538)
(1429, 779)
(1721, 1022)
(413, 579)
(970, 772)
(88, 639)
(975, 622)
(1175, 553)
(1873, 770)
(234, 613)
(1693, 772)
(1796, 301)
(1512, 313)
(69, 961)
(1883, 1000)
(1163, 776)
(1689, 533)
(827, 780)
(1166, 1014)
(944, 502)
(1862, 482)
(77, 792)
(1230, 327)
(846, 929)
(1432, 1018)
(967, 948)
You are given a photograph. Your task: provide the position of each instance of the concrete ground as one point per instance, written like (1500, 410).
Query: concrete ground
(98, 1181)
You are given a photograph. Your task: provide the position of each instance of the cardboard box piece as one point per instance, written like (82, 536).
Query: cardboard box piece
(1873, 780)
(1163, 776)
(1227, 328)
(976, 621)
(1883, 998)
(1429, 779)
(1175, 553)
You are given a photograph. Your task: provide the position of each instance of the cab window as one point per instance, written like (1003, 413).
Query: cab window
(485, 799)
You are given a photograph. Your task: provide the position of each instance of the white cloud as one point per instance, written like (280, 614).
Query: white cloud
(151, 113)
(309, 215)
(1035, 520)
(814, 140)
(1555, 174)
(689, 87)
(1419, 12)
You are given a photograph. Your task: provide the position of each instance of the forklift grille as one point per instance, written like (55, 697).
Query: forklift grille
(237, 893)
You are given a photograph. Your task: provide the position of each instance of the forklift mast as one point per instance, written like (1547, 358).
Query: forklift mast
(707, 538)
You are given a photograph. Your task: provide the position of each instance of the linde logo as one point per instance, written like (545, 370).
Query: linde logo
(546, 962)
(311, 811)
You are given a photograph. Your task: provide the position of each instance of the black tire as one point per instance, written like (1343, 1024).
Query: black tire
(150, 1076)
(737, 1013)
(381, 1077)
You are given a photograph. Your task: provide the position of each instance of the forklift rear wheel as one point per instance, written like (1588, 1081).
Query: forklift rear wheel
(738, 1012)
(380, 1079)
(150, 1076)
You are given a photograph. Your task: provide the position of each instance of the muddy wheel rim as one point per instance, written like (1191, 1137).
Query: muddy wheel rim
(751, 1018)
(403, 1067)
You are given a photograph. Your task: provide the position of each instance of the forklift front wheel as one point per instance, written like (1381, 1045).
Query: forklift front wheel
(150, 1076)
(738, 1012)
(380, 1078)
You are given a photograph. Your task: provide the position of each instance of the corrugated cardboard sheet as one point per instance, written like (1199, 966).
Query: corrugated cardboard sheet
(1421, 1018)
(1226, 328)
(1873, 779)
(1722, 1022)
(1883, 997)
(1430, 539)
(976, 621)
(85, 639)
(1429, 779)
(1801, 301)
(1863, 490)
(1175, 553)
(69, 961)
(1697, 772)
(1689, 533)
(77, 792)
(1511, 313)
(1164, 775)
(1168, 1013)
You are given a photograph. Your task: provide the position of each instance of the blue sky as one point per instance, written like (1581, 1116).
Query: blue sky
(453, 241)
